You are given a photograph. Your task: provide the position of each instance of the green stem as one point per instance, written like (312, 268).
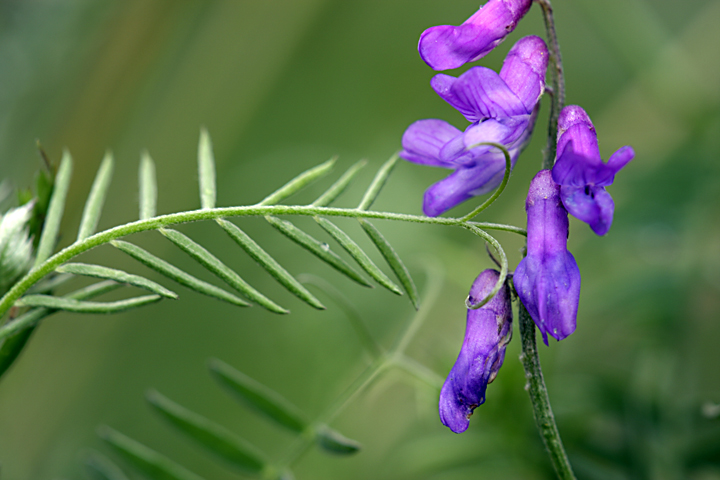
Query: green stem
(394, 358)
(557, 81)
(155, 223)
(544, 418)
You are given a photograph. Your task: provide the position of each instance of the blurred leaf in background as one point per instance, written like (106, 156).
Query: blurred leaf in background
(285, 84)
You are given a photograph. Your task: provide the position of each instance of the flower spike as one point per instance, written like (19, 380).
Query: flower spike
(487, 333)
(446, 46)
(581, 172)
(547, 280)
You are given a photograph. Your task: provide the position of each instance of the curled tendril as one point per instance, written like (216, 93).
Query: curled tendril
(499, 190)
(503, 267)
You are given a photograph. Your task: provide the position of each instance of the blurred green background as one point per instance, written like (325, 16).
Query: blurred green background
(283, 85)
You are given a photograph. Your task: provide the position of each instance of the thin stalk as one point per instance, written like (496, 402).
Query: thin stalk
(557, 81)
(544, 418)
(37, 273)
(394, 358)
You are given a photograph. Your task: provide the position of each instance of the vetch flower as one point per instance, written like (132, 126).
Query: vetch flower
(581, 172)
(447, 46)
(487, 333)
(547, 280)
(502, 108)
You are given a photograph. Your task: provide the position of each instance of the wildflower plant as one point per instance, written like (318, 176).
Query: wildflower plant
(501, 108)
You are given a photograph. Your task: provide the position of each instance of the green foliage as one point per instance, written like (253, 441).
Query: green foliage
(259, 397)
(96, 199)
(147, 461)
(174, 273)
(116, 275)
(269, 264)
(358, 254)
(212, 436)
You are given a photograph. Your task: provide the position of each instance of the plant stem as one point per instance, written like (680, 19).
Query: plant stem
(37, 273)
(557, 80)
(544, 418)
(394, 358)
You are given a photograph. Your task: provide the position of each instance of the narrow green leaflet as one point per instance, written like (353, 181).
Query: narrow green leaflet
(17, 332)
(174, 273)
(339, 187)
(214, 437)
(317, 248)
(69, 305)
(299, 182)
(333, 442)
(33, 316)
(378, 183)
(206, 171)
(117, 275)
(393, 259)
(212, 263)
(358, 254)
(96, 199)
(147, 461)
(99, 467)
(148, 186)
(55, 210)
(269, 264)
(258, 396)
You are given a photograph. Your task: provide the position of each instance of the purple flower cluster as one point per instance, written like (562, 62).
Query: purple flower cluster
(502, 109)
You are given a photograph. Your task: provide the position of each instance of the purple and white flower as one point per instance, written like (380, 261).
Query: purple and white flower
(446, 46)
(547, 280)
(502, 108)
(580, 171)
(487, 333)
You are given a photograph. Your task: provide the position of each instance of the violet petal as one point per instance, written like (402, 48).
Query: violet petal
(446, 46)
(423, 140)
(524, 69)
(592, 205)
(479, 93)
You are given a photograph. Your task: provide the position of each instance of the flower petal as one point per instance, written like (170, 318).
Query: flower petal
(616, 162)
(479, 93)
(524, 70)
(576, 169)
(549, 287)
(592, 205)
(465, 183)
(488, 330)
(506, 131)
(446, 46)
(423, 140)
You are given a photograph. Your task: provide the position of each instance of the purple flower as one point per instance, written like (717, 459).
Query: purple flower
(547, 280)
(488, 332)
(502, 109)
(446, 46)
(581, 172)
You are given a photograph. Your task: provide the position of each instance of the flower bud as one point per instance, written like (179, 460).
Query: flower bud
(487, 333)
(547, 280)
